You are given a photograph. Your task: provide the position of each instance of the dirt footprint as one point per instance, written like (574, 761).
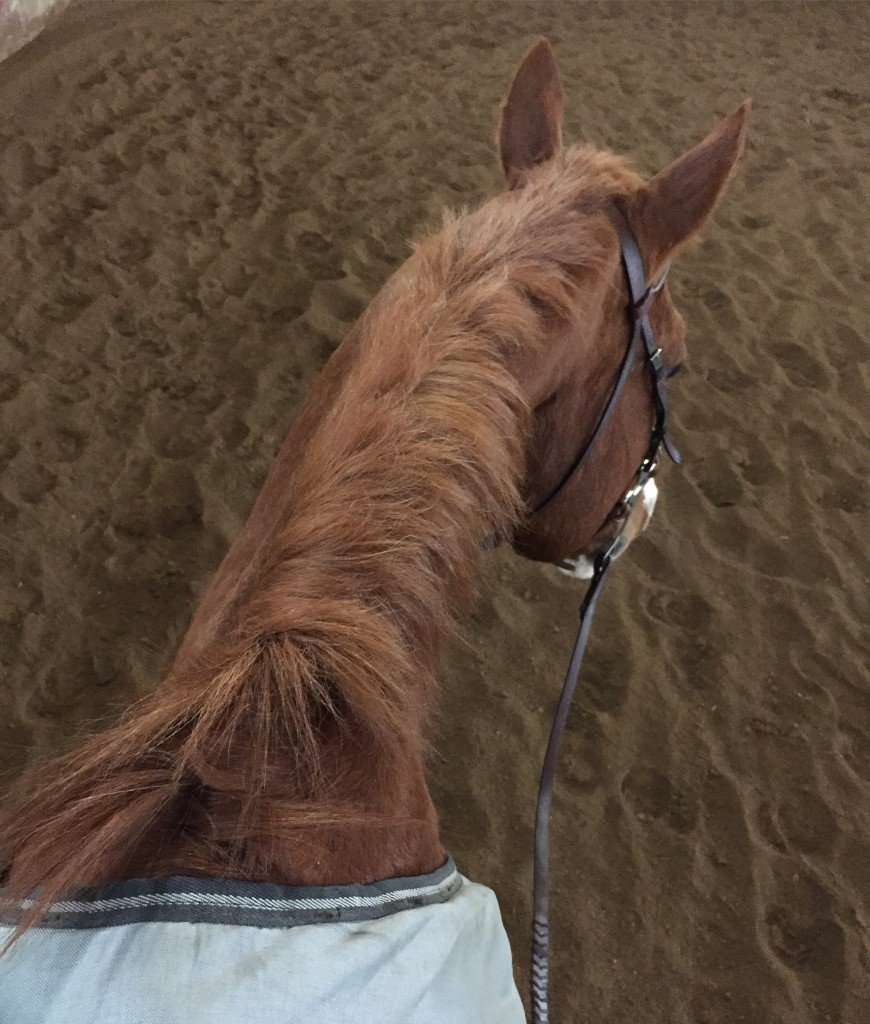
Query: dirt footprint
(807, 824)
(803, 934)
(33, 482)
(802, 942)
(693, 612)
(800, 367)
(10, 385)
(718, 482)
(64, 445)
(849, 495)
(652, 797)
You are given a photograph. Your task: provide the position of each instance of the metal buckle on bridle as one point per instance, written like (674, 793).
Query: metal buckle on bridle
(657, 360)
(630, 497)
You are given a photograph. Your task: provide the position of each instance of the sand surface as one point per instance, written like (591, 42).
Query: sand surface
(196, 200)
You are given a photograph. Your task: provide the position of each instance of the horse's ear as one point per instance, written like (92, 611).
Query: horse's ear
(679, 200)
(531, 116)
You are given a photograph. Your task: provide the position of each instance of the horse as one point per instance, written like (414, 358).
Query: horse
(275, 782)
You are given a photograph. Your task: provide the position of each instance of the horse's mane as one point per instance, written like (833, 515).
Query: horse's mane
(314, 693)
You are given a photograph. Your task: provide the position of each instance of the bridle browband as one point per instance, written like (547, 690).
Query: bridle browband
(642, 297)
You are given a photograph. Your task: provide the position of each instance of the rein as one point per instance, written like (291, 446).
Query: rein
(642, 336)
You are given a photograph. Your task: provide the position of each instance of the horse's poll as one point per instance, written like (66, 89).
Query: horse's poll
(642, 490)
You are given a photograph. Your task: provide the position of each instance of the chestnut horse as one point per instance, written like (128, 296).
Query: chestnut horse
(287, 742)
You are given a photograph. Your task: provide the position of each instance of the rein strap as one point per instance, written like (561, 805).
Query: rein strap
(540, 979)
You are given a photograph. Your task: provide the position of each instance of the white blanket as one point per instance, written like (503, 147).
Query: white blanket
(427, 950)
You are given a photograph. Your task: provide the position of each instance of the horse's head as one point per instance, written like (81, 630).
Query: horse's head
(569, 379)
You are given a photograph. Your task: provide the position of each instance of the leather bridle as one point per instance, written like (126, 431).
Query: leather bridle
(642, 338)
(642, 297)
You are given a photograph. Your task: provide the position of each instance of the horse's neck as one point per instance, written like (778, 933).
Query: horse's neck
(400, 462)
(239, 566)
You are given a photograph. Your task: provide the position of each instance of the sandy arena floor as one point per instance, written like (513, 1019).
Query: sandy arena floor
(196, 200)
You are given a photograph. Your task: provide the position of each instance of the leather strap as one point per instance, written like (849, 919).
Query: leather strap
(541, 924)
(641, 334)
(642, 299)
(623, 375)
